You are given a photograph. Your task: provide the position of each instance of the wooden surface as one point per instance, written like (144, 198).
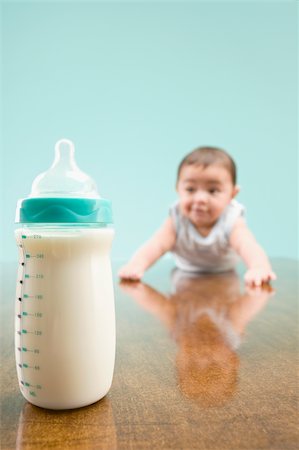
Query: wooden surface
(200, 364)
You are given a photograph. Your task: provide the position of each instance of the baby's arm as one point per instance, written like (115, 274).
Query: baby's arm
(244, 243)
(161, 242)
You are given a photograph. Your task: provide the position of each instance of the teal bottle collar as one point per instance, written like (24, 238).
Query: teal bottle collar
(64, 210)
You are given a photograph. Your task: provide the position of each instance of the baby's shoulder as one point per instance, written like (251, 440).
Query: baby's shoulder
(231, 214)
(175, 214)
(233, 210)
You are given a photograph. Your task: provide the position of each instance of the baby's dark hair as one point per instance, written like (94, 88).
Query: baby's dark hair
(205, 156)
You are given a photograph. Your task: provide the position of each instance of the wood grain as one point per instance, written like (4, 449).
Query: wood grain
(201, 364)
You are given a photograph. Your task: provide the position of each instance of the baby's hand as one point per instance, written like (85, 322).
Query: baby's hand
(259, 276)
(131, 271)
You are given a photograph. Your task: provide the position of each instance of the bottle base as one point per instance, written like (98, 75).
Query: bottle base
(63, 406)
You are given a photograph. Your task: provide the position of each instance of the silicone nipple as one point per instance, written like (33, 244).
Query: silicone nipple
(64, 178)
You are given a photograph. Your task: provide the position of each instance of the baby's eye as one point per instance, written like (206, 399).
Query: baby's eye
(213, 191)
(190, 189)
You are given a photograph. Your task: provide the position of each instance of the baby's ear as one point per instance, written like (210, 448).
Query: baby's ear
(236, 190)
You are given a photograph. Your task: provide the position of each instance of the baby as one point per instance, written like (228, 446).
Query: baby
(205, 230)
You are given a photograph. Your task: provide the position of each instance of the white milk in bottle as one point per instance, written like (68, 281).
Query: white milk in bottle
(65, 321)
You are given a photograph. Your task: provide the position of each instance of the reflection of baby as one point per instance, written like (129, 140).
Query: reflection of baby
(205, 230)
(207, 361)
(207, 365)
(206, 315)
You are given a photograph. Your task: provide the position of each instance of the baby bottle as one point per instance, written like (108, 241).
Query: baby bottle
(65, 321)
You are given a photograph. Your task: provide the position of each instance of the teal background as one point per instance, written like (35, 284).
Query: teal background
(136, 86)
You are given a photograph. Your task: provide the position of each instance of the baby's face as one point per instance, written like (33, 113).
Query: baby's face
(204, 193)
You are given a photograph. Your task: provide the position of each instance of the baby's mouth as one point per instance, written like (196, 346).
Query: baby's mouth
(199, 211)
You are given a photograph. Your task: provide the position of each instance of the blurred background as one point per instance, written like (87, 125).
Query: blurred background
(136, 86)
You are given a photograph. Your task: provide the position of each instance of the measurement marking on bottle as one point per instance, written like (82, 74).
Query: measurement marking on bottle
(37, 386)
(36, 314)
(26, 329)
(26, 366)
(37, 275)
(25, 349)
(35, 332)
(32, 236)
(38, 255)
(29, 385)
(37, 296)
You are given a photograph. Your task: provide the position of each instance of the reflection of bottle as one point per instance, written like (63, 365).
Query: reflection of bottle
(65, 325)
(94, 427)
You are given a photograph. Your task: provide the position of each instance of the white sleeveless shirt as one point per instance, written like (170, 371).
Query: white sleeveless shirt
(195, 253)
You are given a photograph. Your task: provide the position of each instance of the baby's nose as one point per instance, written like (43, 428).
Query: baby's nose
(201, 196)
